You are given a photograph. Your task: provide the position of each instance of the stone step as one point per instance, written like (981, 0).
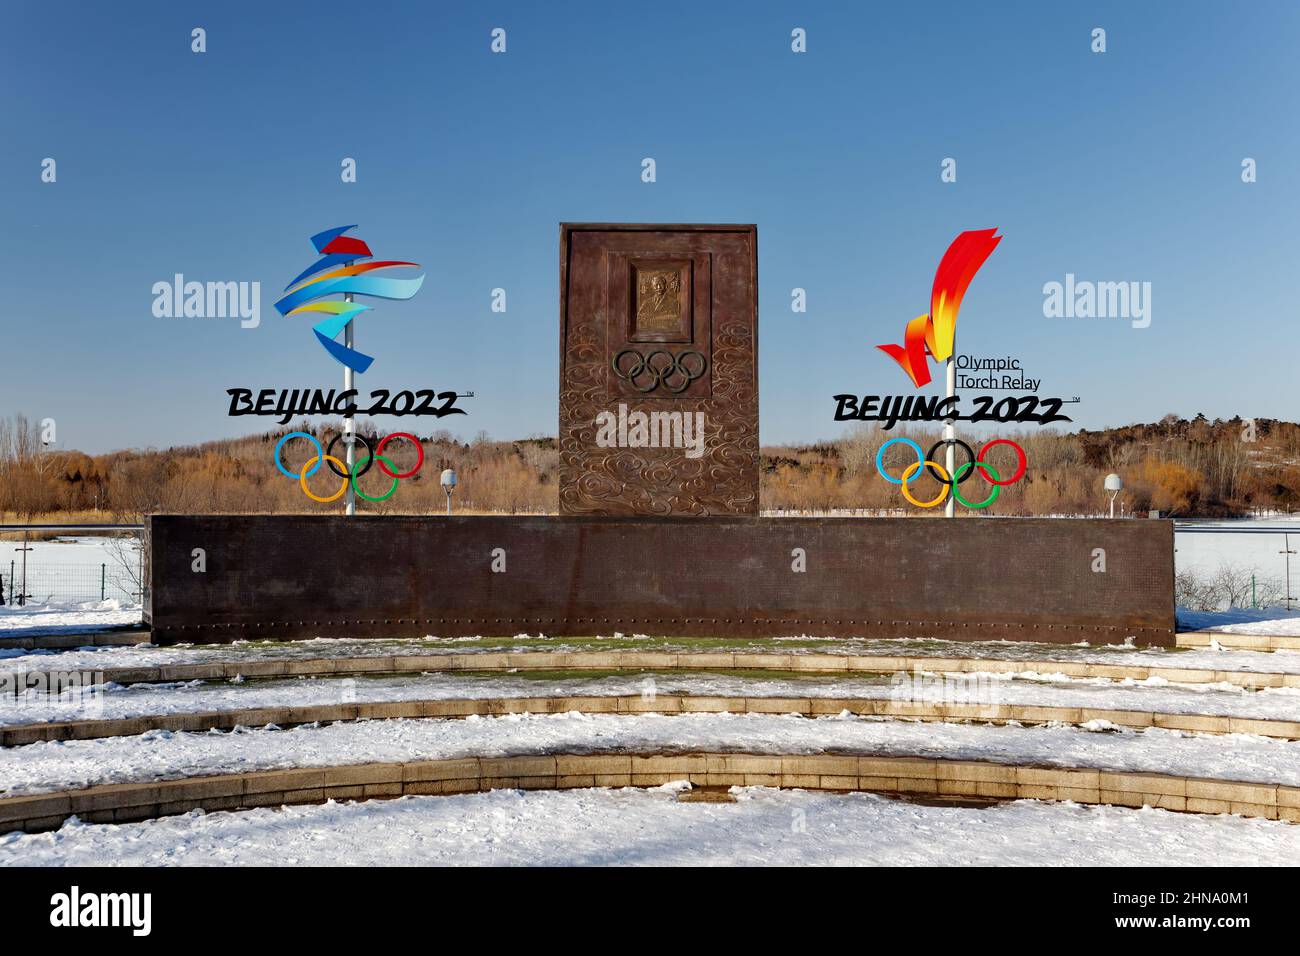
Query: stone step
(200, 722)
(841, 772)
(493, 662)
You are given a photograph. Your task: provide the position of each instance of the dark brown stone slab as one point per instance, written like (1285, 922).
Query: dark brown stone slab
(287, 576)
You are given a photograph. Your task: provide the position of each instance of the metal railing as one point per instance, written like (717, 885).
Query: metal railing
(34, 580)
(19, 528)
(1286, 558)
(42, 583)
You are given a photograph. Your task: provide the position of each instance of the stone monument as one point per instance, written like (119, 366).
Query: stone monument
(658, 369)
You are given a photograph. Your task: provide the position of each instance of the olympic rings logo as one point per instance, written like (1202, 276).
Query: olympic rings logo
(325, 456)
(952, 485)
(660, 374)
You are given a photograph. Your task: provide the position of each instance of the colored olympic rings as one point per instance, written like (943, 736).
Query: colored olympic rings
(383, 462)
(930, 466)
(1020, 454)
(951, 483)
(970, 455)
(320, 453)
(372, 456)
(329, 452)
(880, 456)
(314, 463)
(660, 374)
(356, 474)
(993, 495)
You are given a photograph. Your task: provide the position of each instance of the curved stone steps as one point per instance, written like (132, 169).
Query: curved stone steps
(490, 662)
(129, 636)
(124, 637)
(291, 716)
(902, 776)
(1238, 642)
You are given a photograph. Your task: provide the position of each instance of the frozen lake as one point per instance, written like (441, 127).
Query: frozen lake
(1249, 550)
(73, 569)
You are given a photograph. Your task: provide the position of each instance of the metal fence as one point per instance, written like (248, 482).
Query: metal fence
(66, 584)
(38, 571)
(1253, 565)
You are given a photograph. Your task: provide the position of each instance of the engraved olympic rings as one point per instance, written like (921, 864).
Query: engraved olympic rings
(924, 460)
(662, 373)
(372, 456)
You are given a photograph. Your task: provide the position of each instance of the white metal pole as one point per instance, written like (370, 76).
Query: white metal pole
(349, 423)
(950, 432)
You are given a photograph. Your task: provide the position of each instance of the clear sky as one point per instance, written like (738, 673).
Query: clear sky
(1120, 166)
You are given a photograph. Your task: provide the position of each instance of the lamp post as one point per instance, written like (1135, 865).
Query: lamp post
(1114, 484)
(448, 482)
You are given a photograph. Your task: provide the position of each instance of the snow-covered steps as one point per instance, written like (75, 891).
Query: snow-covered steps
(414, 709)
(117, 711)
(163, 755)
(372, 647)
(123, 637)
(649, 827)
(1235, 673)
(25, 705)
(36, 624)
(1241, 642)
(128, 635)
(914, 776)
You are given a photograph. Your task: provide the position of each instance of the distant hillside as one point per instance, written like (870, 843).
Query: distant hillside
(1184, 468)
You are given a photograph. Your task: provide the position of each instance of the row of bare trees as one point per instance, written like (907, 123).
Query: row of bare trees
(1207, 469)
(239, 475)
(1181, 468)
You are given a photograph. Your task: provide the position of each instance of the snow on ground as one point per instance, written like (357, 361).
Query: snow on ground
(650, 828)
(145, 655)
(41, 620)
(161, 755)
(1272, 621)
(72, 568)
(115, 700)
(1203, 554)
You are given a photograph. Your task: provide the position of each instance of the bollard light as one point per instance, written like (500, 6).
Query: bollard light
(1114, 484)
(448, 482)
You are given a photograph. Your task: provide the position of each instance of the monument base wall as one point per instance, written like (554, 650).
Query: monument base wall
(296, 576)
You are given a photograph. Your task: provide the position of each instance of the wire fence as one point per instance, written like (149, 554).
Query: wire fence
(70, 564)
(64, 583)
(1237, 565)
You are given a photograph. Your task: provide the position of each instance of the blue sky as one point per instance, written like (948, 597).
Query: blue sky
(1122, 166)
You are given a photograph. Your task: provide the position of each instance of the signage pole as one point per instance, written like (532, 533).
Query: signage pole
(349, 423)
(950, 433)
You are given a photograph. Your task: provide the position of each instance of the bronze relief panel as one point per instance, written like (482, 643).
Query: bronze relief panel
(663, 348)
(662, 304)
(658, 377)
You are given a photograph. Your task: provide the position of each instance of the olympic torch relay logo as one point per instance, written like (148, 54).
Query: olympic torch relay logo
(933, 333)
(335, 273)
